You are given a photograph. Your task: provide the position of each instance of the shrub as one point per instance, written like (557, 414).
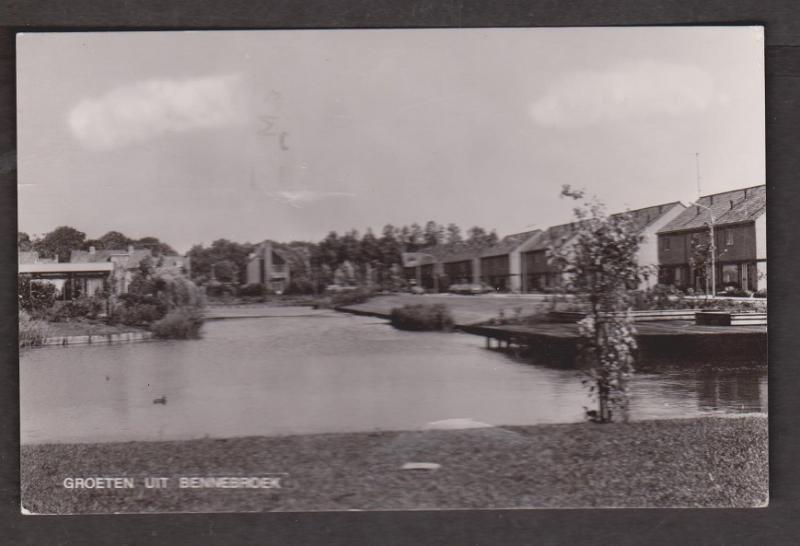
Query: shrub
(761, 293)
(300, 286)
(351, 297)
(253, 289)
(180, 323)
(422, 317)
(217, 289)
(84, 307)
(734, 292)
(660, 296)
(32, 332)
(137, 314)
(35, 296)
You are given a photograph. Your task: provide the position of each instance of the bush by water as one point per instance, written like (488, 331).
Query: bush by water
(422, 317)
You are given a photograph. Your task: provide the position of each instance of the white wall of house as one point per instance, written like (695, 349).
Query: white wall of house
(648, 248)
(761, 250)
(515, 270)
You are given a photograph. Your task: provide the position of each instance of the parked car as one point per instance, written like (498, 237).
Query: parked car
(418, 290)
(470, 288)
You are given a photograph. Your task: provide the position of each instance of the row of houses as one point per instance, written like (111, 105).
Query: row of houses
(519, 262)
(90, 271)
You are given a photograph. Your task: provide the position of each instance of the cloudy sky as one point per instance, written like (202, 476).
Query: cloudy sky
(194, 136)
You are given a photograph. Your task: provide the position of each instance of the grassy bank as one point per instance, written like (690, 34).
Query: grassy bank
(87, 327)
(692, 462)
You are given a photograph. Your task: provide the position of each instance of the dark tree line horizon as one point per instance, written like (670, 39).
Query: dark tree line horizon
(311, 263)
(59, 243)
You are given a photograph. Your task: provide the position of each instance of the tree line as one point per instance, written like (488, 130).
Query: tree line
(59, 243)
(349, 257)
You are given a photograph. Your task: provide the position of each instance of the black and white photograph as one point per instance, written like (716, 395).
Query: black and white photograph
(392, 269)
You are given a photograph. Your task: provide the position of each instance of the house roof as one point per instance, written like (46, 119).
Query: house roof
(27, 257)
(560, 234)
(455, 252)
(132, 261)
(509, 243)
(58, 268)
(552, 236)
(731, 207)
(296, 255)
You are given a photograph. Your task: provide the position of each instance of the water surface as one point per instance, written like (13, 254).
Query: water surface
(305, 371)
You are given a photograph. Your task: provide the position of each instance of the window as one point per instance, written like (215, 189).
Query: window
(666, 243)
(730, 274)
(728, 237)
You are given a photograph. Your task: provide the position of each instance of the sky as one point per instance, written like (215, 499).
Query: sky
(287, 135)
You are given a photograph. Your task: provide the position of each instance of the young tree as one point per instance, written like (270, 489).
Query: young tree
(599, 265)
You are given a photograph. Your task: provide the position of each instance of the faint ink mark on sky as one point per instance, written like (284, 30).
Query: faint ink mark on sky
(297, 198)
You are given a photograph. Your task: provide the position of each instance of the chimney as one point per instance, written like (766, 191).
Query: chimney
(91, 251)
(731, 204)
(710, 199)
(130, 249)
(745, 193)
(697, 211)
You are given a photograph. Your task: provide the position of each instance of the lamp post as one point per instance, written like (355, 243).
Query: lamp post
(712, 245)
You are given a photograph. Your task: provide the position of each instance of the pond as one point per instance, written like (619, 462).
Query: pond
(304, 371)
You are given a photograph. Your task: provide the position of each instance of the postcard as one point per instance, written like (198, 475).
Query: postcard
(396, 269)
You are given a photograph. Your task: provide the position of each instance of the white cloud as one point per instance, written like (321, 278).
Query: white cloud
(624, 92)
(147, 109)
(298, 198)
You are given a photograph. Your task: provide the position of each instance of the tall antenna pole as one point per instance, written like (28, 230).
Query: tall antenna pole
(697, 166)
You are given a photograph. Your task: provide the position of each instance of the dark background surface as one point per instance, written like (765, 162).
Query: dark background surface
(777, 524)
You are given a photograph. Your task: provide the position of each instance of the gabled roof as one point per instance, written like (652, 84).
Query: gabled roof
(560, 234)
(552, 236)
(295, 256)
(131, 260)
(455, 252)
(509, 243)
(731, 207)
(641, 218)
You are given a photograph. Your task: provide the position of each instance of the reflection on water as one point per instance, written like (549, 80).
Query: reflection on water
(329, 373)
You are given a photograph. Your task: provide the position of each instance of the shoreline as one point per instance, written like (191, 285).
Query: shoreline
(691, 462)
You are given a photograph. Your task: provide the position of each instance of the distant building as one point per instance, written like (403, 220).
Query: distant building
(269, 266)
(71, 280)
(501, 264)
(174, 264)
(437, 267)
(740, 238)
(126, 263)
(537, 274)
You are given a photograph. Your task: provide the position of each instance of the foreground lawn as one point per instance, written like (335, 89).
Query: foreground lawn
(686, 462)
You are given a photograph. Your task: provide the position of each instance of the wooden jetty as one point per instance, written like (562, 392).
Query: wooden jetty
(678, 339)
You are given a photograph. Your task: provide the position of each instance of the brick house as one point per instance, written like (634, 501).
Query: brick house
(740, 223)
(537, 274)
(501, 264)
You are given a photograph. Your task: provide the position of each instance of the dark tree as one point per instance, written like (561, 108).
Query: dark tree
(59, 243)
(24, 243)
(114, 240)
(454, 234)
